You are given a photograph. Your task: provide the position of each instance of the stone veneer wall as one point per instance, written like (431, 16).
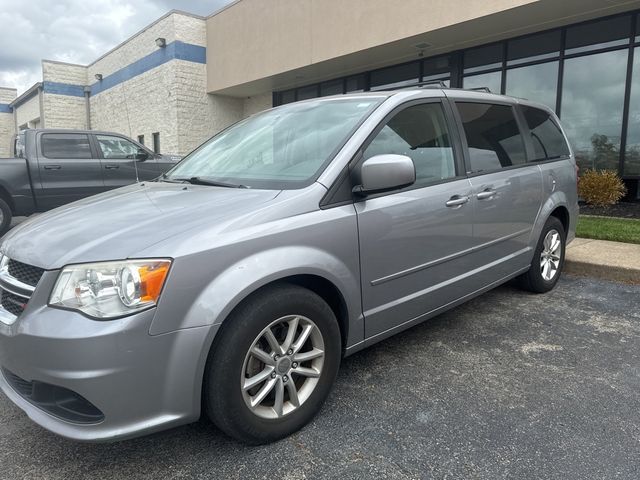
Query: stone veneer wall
(7, 122)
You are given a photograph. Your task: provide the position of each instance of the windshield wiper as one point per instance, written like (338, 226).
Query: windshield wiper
(204, 181)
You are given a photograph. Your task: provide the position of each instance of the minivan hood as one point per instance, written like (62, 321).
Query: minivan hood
(117, 224)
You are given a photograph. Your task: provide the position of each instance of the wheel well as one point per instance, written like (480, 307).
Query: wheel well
(330, 294)
(4, 195)
(562, 214)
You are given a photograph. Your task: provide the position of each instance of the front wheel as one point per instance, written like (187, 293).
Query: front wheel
(548, 258)
(5, 217)
(273, 365)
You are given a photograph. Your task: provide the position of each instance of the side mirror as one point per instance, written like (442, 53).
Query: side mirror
(385, 172)
(142, 155)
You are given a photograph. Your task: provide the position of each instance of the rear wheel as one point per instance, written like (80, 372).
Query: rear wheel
(5, 217)
(273, 365)
(548, 258)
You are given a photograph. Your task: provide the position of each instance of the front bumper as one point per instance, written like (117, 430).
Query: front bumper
(139, 382)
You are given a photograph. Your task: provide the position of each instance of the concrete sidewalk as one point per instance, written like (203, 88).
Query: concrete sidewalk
(615, 261)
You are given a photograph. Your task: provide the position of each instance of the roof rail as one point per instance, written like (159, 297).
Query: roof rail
(429, 84)
(479, 89)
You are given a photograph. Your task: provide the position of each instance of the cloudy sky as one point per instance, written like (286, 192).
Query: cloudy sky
(76, 31)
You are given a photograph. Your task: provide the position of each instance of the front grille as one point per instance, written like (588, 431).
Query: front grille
(18, 281)
(12, 303)
(25, 273)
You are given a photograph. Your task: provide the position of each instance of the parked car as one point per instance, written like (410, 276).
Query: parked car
(55, 167)
(239, 280)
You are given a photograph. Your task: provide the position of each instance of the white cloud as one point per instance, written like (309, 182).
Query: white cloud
(76, 31)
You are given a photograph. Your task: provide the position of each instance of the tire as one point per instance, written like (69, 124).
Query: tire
(537, 279)
(5, 222)
(230, 364)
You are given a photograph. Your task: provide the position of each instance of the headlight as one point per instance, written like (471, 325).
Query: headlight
(110, 289)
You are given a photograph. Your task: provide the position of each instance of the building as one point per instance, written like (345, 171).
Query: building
(185, 77)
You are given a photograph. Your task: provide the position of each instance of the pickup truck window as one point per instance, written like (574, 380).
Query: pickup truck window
(66, 145)
(117, 147)
(283, 148)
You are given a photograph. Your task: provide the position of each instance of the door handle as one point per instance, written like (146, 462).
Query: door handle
(486, 194)
(111, 167)
(457, 201)
(52, 167)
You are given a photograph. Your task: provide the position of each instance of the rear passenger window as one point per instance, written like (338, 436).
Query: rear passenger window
(65, 145)
(419, 132)
(493, 136)
(547, 138)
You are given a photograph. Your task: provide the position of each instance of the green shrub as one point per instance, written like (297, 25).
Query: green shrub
(601, 188)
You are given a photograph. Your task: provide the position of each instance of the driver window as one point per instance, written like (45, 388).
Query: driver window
(117, 147)
(419, 132)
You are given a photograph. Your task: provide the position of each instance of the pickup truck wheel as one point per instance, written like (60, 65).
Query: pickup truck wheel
(548, 259)
(273, 365)
(5, 217)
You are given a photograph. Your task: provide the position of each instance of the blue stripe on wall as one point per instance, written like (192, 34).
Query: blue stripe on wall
(63, 89)
(5, 108)
(173, 51)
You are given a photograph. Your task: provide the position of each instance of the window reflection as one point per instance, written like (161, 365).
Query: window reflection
(592, 102)
(538, 83)
(493, 81)
(632, 152)
(606, 33)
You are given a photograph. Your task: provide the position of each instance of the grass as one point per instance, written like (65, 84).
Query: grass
(608, 228)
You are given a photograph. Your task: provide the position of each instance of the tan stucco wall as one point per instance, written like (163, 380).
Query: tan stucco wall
(259, 45)
(257, 38)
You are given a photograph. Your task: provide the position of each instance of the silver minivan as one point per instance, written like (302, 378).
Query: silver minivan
(236, 283)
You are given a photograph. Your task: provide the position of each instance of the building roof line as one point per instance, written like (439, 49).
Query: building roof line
(30, 92)
(144, 29)
(59, 62)
(222, 9)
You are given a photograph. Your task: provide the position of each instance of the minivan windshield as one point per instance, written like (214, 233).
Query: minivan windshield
(283, 148)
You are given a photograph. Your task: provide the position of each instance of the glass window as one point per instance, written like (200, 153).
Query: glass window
(66, 145)
(141, 139)
(483, 58)
(288, 96)
(492, 81)
(533, 48)
(156, 142)
(397, 76)
(332, 87)
(282, 148)
(419, 132)
(305, 93)
(116, 147)
(546, 136)
(356, 83)
(538, 83)
(493, 136)
(632, 152)
(437, 68)
(592, 103)
(595, 35)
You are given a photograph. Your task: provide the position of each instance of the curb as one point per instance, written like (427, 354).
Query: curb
(613, 261)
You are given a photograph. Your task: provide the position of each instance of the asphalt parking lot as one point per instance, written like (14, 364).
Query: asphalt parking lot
(511, 385)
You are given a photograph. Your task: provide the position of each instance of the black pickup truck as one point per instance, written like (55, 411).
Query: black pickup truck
(55, 167)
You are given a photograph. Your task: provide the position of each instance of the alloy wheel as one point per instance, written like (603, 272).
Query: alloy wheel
(282, 367)
(550, 255)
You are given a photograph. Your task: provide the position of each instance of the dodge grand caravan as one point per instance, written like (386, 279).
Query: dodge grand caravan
(236, 282)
